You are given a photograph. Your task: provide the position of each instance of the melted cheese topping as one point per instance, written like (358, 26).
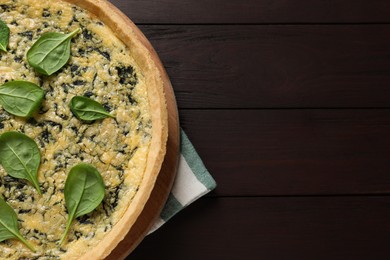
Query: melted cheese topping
(102, 68)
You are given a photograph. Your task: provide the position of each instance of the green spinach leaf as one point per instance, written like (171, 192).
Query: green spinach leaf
(4, 36)
(9, 228)
(84, 191)
(88, 109)
(21, 98)
(20, 157)
(50, 52)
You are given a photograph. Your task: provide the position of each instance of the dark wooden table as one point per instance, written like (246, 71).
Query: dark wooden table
(287, 102)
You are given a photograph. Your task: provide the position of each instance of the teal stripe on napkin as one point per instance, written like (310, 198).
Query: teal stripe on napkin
(193, 160)
(172, 205)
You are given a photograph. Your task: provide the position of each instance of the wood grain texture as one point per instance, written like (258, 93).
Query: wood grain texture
(276, 66)
(274, 228)
(255, 11)
(281, 99)
(293, 152)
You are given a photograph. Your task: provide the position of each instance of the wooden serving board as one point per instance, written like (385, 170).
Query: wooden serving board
(168, 171)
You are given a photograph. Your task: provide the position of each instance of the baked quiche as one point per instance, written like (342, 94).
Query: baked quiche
(110, 64)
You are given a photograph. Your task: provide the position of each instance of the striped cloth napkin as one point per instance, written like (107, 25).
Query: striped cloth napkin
(192, 182)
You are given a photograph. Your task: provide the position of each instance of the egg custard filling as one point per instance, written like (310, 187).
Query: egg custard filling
(102, 68)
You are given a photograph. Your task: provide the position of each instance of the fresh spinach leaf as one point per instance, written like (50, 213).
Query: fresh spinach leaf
(50, 52)
(20, 157)
(88, 109)
(84, 191)
(9, 228)
(4, 36)
(21, 98)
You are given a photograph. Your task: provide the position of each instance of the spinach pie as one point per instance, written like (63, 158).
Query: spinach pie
(82, 97)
